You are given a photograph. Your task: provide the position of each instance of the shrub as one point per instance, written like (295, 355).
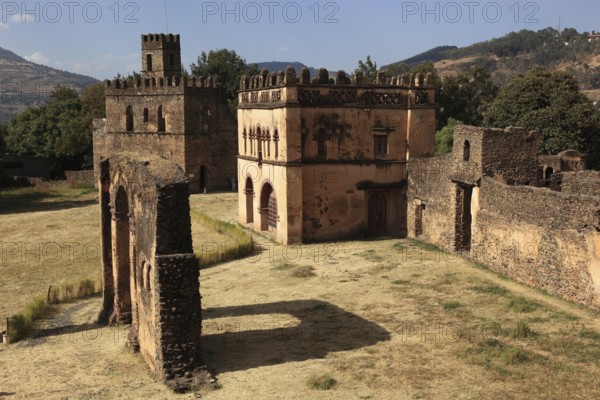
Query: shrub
(321, 382)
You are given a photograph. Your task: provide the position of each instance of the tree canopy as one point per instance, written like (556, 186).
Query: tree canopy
(226, 66)
(368, 69)
(551, 103)
(60, 129)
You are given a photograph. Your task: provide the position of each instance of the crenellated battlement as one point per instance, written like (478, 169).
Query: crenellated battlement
(160, 38)
(155, 84)
(266, 79)
(276, 88)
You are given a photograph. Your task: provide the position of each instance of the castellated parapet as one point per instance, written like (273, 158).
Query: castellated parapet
(268, 88)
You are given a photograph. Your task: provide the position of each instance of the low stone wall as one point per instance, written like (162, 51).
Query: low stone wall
(546, 239)
(80, 178)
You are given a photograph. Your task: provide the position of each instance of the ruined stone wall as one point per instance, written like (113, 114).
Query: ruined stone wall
(546, 239)
(162, 145)
(151, 270)
(583, 182)
(509, 155)
(430, 188)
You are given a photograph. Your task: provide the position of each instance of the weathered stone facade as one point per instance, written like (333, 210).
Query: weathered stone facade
(183, 120)
(150, 273)
(483, 199)
(327, 158)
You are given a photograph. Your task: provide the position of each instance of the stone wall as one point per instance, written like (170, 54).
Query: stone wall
(583, 182)
(430, 189)
(509, 155)
(80, 178)
(546, 239)
(150, 274)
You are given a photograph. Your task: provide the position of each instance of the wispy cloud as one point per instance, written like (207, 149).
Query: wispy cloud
(285, 49)
(4, 26)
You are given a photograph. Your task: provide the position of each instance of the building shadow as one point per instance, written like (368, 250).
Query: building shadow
(323, 329)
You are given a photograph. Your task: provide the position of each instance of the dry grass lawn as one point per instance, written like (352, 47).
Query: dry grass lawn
(388, 319)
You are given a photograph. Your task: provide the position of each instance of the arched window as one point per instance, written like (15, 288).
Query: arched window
(249, 192)
(160, 121)
(259, 144)
(245, 136)
(206, 122)
(146, 115)
(467, 151)
(548, 173)
(129, 119)
(148, 62)
(268, 143)
(276, 140)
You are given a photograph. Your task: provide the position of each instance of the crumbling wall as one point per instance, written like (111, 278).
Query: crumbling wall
(583, 182)
(543, 238)
(150, 274)
(431, 190)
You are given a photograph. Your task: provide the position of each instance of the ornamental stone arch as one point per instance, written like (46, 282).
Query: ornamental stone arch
(150, 273)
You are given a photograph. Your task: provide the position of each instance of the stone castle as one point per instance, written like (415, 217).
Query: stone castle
(168, 115)
(318, 159)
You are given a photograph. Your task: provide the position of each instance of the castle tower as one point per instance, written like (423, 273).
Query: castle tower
(161, 56)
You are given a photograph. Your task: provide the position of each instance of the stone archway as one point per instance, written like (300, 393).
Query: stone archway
(151, 264)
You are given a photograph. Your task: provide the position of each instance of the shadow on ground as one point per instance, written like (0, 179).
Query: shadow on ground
(324, 328)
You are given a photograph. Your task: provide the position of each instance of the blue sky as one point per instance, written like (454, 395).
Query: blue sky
(93, 38)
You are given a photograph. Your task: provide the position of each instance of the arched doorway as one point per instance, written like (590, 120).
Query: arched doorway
(268, 209)
(377, 218)
(202, 178)
(249, 191)
(122, 257)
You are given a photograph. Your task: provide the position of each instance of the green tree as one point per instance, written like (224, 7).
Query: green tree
(551, 103)
(93, 101)
(444, 138)
(226, 67)
(59, 130)
(369, 69)
(462, 96)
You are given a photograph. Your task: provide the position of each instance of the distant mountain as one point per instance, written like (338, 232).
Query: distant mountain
(433, 55)
(518, 52)
(24, 84)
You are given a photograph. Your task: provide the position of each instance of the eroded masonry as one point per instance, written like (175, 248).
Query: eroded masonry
(150, 273)
(533, 218)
